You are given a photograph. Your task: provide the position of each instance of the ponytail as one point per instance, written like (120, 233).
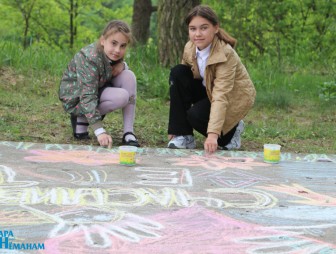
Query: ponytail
(224, 36)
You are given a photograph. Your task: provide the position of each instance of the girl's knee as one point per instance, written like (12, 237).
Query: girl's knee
(179, 74)
(128, 98)
(126, 79)
(179, 70)
(129, 75)
(124, 97)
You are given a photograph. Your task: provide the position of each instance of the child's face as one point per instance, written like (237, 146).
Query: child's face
(201, 32)
(115, 45)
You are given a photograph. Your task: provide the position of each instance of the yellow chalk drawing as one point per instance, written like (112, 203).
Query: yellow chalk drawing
(137, 197)
(309, 197)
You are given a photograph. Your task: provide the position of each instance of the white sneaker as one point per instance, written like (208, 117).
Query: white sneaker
(236, 140)
(182, 142)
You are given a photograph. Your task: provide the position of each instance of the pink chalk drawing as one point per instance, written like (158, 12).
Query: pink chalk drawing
(89, 158)
(215, 162)
(308, 196)
(188, 231)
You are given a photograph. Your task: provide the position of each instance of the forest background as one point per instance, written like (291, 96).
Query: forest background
(288, 47)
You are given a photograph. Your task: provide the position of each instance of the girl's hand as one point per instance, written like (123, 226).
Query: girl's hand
(105, 140)
(117, 69)
(210, 144)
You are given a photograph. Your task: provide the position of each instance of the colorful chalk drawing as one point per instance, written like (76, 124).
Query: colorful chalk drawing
(189, 230)
(178, 177)
(306, 196)
(217, 162)
(138, 197)
(7, 179)
(153, 152)
(77, 199)
(236, 179)
(80, 157)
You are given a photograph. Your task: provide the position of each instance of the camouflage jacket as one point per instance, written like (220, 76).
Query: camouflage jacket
(87, 72)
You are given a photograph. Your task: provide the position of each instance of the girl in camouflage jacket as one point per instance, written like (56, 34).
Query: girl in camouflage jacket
(97, 81)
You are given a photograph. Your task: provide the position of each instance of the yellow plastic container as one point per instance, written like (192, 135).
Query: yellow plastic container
(272, 153)
(127, 155)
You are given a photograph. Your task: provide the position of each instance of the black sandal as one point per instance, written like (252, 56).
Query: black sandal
(130, 142)
(74, 123)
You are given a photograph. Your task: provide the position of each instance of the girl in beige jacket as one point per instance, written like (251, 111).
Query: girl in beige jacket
(211, 91)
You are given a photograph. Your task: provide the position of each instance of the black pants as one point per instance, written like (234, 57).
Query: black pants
(190, 105)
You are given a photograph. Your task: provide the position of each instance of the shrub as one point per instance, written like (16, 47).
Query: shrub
(328, 91)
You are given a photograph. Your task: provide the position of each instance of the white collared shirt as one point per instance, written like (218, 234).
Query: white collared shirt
(202, 57)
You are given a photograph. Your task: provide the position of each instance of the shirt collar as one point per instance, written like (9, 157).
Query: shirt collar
(204, 52)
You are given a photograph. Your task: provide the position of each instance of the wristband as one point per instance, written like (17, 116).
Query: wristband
(99, 131)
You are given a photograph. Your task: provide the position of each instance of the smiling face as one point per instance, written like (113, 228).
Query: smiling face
(115, 45)
(201, 32)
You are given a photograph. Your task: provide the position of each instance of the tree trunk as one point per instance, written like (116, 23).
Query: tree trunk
(172, 31)
(25, 33)
(26, 11)
(142, 10)
(73, 16)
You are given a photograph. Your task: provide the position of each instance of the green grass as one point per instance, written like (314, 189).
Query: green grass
(288, 108)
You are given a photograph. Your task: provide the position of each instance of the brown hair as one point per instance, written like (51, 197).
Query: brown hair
(206, 12)
(113, 27)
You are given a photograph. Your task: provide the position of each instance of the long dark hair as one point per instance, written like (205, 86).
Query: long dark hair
(206, 12)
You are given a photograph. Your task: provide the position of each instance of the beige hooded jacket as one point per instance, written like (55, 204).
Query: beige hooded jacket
(228, 85)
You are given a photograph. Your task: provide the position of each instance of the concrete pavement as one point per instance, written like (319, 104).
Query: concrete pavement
(78, 199)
